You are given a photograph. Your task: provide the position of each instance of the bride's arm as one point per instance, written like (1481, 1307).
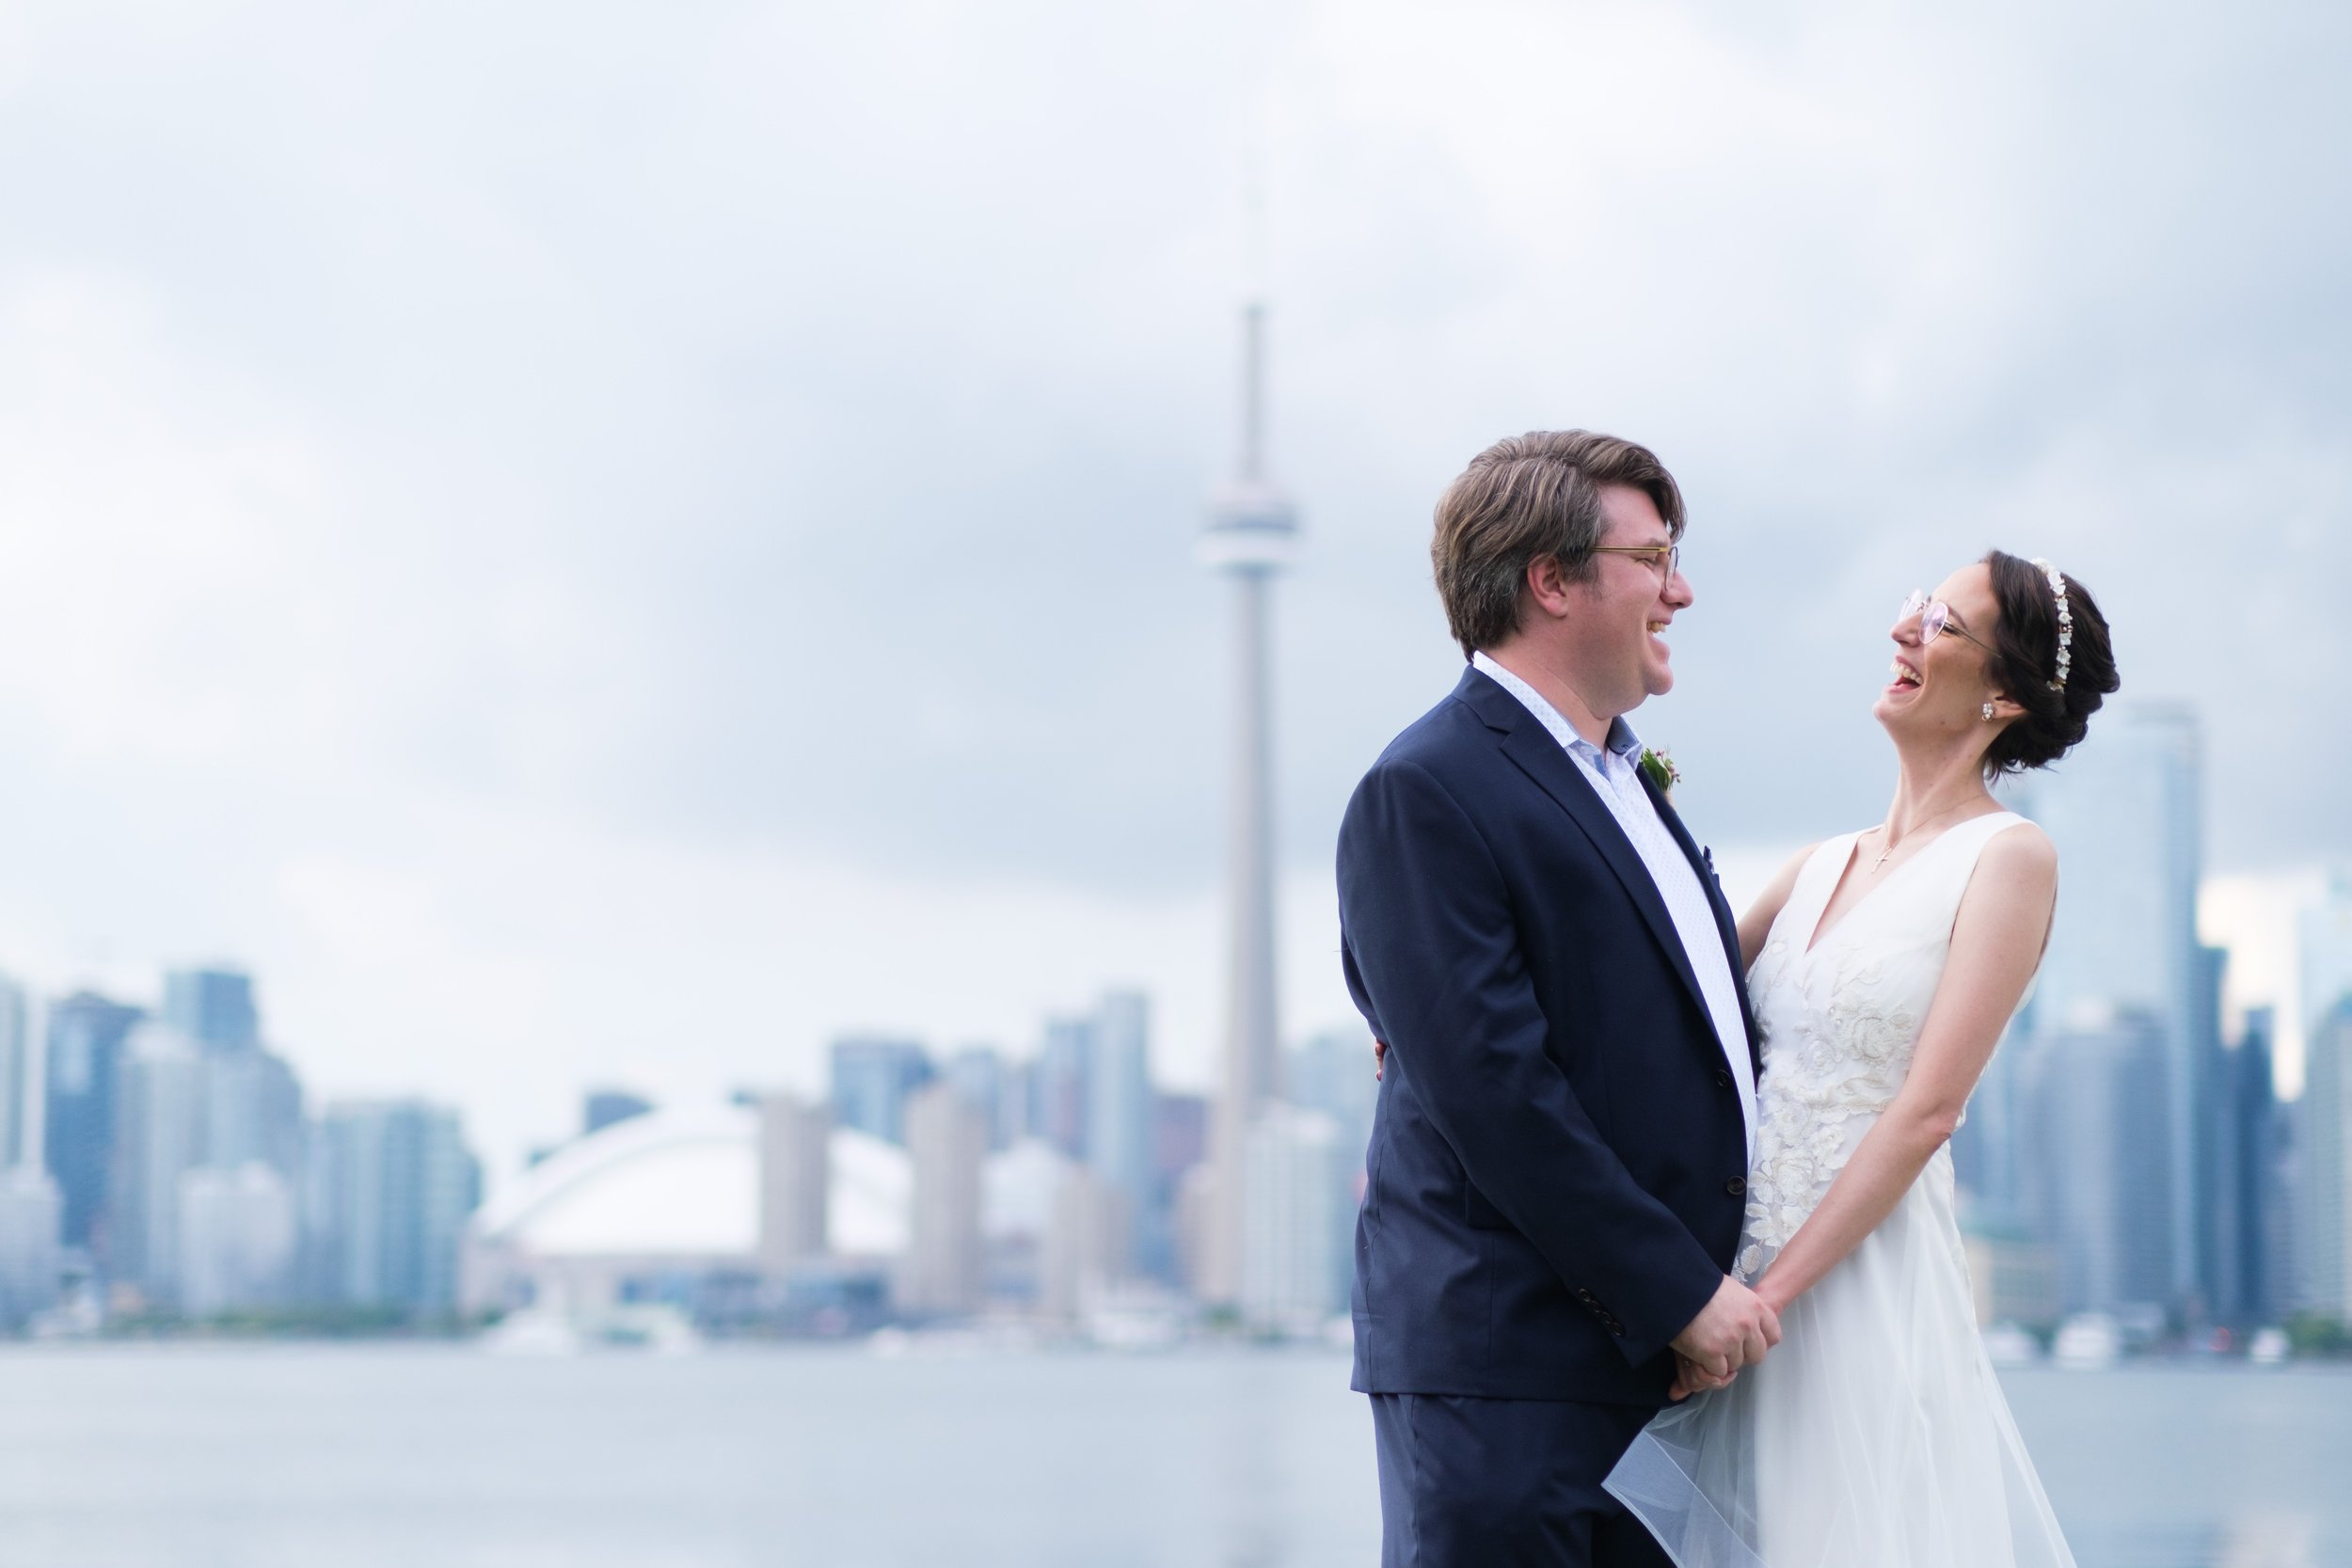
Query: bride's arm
(1756, 924)
(1997, 939)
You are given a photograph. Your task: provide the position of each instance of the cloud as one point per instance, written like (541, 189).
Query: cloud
(583, 545)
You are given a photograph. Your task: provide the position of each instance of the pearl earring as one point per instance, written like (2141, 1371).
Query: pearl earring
(1988, 710)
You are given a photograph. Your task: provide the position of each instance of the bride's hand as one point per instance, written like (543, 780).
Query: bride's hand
(1379, 1058)
(1692, 1378)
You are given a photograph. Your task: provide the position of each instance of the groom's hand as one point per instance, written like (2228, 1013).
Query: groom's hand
(1733, 1330)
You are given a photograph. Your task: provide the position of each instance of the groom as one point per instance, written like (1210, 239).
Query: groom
(1558, 1166)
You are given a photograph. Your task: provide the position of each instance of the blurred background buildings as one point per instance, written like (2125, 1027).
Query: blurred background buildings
(166, 1168)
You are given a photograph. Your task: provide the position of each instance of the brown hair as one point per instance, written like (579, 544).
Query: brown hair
(2024, 661)
(1525, 497)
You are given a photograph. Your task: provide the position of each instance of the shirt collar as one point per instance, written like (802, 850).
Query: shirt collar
(1622, 743)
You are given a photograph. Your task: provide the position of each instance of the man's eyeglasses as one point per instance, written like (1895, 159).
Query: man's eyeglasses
(1665, 560)
(1935, 619)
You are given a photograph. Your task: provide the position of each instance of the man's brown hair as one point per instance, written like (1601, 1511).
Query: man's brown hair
(1522, 498)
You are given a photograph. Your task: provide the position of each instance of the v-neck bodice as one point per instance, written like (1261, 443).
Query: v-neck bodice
(1830, 862)
(1838, 1019)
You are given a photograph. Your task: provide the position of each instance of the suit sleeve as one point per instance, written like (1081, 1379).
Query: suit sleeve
(1434, 948)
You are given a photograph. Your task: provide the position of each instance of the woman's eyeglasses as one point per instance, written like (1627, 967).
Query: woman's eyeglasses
(1935, 619)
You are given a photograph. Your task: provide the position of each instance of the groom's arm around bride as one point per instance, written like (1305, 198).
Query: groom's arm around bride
(1556, 1177)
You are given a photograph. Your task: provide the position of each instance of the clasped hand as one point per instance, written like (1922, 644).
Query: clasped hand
(1733, 1330)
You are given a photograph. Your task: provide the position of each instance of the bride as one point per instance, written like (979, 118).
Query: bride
(1883, 966)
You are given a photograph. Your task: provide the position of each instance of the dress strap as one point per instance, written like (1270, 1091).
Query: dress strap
(1974, 833)
(1958, 850)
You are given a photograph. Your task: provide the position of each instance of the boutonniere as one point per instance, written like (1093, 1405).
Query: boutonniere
(1660, 769)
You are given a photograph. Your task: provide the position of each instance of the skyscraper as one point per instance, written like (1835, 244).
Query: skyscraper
(2325, 1164)
(1332, 1073)
(1085, 1235)
(795, 1181)
(1180, 1140)
(31, 1209)
(2324, 955)
(87, 1033)
(1057, 1084)
(252, 1110)
(944, 1271)
(397, 1183)
(989, 1082)
(1294, 1266)
(2254, 1189)
(1119, 1120)
(2124, 811)
(237, 1236)
(212, 1008)
(2095, 1108)
(28, 1242)
(2322, 1160)
(871, 1079)
(2217, 1125)
(17, 1077)
(1253, 535)
(159, 1138)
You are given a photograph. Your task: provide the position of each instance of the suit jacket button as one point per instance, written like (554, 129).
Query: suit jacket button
(1722, 1078)
(1736, 1186)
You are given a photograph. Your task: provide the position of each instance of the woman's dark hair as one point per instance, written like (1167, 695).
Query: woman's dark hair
(2024, 661)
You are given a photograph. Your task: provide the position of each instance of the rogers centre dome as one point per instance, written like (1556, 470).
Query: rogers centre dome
(683, 1186)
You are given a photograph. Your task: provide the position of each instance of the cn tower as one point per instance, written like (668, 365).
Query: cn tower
(1252, 533)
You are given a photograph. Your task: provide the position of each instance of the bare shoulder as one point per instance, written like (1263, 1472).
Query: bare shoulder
(2022, 853)
(2015, 880)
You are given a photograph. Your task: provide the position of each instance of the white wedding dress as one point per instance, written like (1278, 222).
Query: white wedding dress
(1875, 1435)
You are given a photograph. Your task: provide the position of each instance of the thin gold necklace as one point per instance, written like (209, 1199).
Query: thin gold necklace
(1889, 836)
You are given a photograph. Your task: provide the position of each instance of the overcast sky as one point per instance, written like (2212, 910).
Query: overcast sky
(592, 542)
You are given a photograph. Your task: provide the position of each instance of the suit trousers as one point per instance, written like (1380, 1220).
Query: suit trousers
(1505, 1483)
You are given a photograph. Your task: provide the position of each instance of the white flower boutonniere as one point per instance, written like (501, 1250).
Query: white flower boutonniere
(1660, 769)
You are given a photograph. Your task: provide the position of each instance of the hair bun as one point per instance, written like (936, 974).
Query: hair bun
(2052, 655)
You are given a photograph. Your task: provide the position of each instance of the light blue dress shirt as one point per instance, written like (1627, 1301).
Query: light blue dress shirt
(1614, 773)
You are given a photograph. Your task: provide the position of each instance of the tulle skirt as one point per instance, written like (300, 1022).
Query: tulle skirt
(1874, 1435)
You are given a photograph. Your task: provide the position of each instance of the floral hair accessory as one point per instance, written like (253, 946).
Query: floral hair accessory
(2065, 623)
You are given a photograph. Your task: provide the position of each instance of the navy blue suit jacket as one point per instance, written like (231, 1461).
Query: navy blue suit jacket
(1557, 1170)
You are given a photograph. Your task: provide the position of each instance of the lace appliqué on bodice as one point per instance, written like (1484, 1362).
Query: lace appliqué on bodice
(1838, 1023)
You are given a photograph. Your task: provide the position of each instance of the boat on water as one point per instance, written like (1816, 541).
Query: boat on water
(2008, 1345)
(2088, 1341)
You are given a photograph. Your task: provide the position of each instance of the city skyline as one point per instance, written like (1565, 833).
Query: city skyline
(2256, 921)
(208, 1164)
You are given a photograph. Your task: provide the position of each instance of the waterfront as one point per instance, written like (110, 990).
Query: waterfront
(275, 1456)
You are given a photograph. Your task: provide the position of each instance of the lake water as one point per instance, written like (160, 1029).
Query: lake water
(354, 1457)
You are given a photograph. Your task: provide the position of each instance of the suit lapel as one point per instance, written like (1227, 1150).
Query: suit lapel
(1727, 925)
(1539, 757)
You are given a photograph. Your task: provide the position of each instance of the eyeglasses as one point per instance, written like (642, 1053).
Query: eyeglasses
(1935, 619)
(1655, 556)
